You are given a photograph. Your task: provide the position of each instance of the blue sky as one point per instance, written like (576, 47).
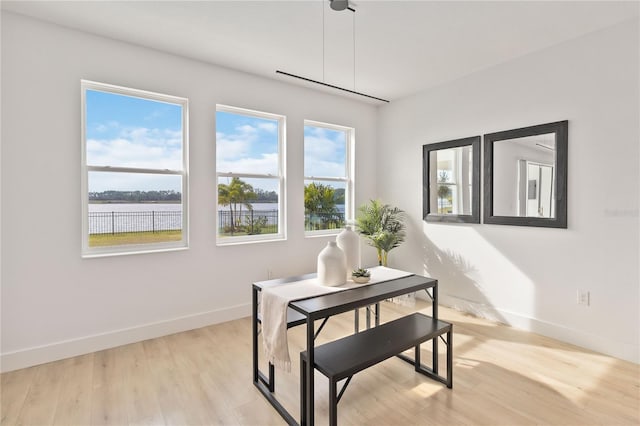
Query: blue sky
(124, 131)
(324, 152)
(246, 144)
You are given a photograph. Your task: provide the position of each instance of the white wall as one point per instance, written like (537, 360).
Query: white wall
(56, 304)
(529, 276)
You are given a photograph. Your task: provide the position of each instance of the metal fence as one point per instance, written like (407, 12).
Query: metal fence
(242, 222)
(320, 221)
(249, 222)
(120, 222)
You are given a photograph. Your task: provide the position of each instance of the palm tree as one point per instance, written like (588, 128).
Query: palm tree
(383, 226)
(444, 192)
(320, 200)
(236, 194)
(224, 199)
(241, 193)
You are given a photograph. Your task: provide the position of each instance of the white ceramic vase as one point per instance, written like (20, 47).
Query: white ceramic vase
(349, 242)
(332, 265)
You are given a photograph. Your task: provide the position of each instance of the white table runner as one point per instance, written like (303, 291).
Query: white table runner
(275, 301)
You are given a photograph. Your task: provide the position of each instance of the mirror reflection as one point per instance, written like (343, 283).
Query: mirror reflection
(451, 181)
(524, 176)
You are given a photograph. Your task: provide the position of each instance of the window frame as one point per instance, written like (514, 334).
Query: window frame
(183, 244)
(348, 180)
(281, 235)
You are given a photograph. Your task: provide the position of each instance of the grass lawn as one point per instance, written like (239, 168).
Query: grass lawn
(102, 240)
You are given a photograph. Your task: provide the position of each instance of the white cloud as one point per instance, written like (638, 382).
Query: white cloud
(227, 149)
(321, 156)
(235, 153)
(246, 130)
(268, 127)
(266, 164)
(138, 147)
(323, 148)
(324, 168)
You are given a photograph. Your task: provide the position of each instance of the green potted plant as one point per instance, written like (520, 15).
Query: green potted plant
(383, 226)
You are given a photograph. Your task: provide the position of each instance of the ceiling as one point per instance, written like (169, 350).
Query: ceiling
(401, 47)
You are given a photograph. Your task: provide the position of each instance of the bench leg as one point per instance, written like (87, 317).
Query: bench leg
(333, 403)
(450, 359)
(272, 378)
(416, 358)
(303, 391)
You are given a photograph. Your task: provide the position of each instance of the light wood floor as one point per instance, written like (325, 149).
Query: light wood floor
(203, 377)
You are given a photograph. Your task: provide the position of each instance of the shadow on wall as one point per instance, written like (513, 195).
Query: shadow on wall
(457, 287)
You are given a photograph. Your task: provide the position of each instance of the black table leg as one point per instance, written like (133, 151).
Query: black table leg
(434, 311)
(254, 332)
(310, 379)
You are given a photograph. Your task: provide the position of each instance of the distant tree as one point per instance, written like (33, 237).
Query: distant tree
(237, 194)
(444, 192)
(135, 196)
(320, 204)
(263, 196)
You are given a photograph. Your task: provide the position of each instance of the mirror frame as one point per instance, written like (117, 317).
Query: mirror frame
(561, 131)
(474, 217)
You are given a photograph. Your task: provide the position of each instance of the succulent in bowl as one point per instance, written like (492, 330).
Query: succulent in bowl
(360, 276)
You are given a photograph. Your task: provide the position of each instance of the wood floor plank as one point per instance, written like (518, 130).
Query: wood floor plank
(502, 376)
(14, 387)
(74, 402)
(138, 387)
(40, 405)
(108, 405)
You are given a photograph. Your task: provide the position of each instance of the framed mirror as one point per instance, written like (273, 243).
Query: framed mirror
(525, 176)
(451, 181)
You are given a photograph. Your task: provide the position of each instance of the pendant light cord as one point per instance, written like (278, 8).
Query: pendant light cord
(323, 7)
(354, 51)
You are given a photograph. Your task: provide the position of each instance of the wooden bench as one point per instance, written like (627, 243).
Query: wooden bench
(345, 357)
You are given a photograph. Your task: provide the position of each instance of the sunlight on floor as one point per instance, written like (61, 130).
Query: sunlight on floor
(425, 390)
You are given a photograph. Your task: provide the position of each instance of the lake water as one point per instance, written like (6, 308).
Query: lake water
(147, 207)
(110, 218)
(143, 217)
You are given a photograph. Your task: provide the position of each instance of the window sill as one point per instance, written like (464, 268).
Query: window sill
(109, 253)
(236, 241)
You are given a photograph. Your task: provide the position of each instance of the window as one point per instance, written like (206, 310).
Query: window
(455, 182)
(134, 179)
(250, 175)
(328, 177)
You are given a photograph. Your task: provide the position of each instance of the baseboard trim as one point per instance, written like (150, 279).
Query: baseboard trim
(68, 348)
(590, 341)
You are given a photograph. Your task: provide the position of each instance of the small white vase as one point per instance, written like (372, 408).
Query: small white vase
(332, 265)
(349, 242)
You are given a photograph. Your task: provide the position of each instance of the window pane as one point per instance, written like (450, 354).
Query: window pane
(246, 144)
(324, 205)
(325, 152)
(247, 206)
(126, 131)
(134, 208)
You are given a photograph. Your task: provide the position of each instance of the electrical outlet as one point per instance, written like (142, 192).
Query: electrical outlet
(269, 274)
(584, 298)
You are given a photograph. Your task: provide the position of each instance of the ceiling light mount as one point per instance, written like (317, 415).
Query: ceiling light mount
(335, 5)
(340, 5)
